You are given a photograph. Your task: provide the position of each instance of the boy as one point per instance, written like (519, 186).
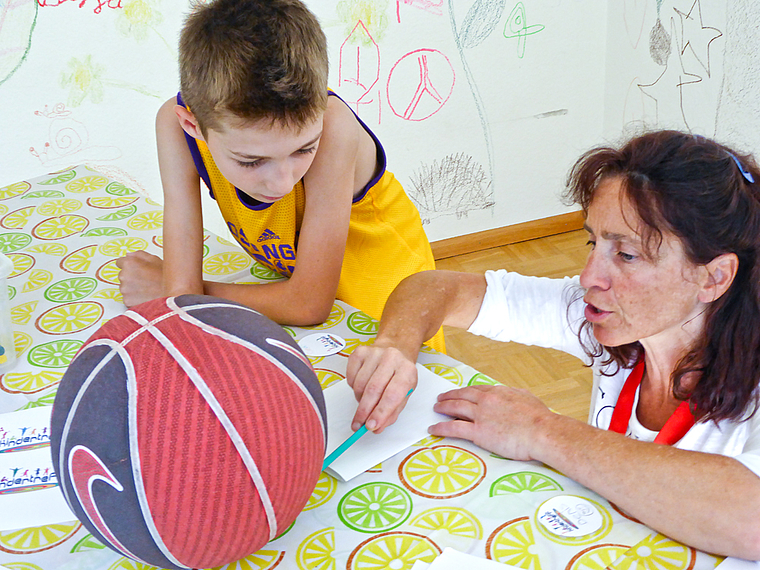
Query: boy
(294, 171)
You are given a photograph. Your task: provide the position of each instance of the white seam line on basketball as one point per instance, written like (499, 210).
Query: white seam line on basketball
(116, 348)
(226, 422)
(185, 316)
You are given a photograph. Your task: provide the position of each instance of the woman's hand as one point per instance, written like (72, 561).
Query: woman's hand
(504, 420)
(140, 278)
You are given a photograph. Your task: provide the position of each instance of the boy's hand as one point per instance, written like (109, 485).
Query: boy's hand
(381, 378)
(141, 277)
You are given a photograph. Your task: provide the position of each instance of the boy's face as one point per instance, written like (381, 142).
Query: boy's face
(264, 160)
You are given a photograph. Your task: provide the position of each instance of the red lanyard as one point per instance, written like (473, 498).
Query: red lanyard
(673, 430)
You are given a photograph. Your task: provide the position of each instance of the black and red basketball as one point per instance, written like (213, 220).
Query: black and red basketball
(188, 432)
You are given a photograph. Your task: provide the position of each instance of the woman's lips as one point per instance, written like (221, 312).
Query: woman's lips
(594, 314)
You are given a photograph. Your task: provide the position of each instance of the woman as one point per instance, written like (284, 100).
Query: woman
(667, 313)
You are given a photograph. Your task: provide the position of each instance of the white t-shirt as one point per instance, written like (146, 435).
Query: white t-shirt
(549, 313)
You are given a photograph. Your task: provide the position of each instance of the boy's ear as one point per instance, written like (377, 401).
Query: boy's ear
(721, 272)
(188, 122)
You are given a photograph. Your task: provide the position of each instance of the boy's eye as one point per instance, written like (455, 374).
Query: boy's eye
(591, 242)
(307, 150)
(626, 256)
(249, 164)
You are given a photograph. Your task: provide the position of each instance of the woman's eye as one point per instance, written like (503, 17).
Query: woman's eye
(626, 256)
(592, 243)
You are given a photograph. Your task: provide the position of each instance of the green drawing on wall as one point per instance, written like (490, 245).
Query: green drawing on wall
(85, 80)
(372, 13)
(16, 27)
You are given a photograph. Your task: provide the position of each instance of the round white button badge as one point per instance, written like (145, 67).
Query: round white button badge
(321, 344)
(569, 516)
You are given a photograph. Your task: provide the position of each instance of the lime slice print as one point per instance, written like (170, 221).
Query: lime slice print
(89, 542)
(46, 400)
(72, 289)
(109, 295)
(59, 178)
(108, 273)
(362, 323)
(43, 194)
(14, 190)
(17, 219)
(120, 247)
(55, 354)
(261, 560)
(105, 231)
(13, 242)
(148, 221)
(22, 263)
(78, 261)
(337, 314)
(323, 492)
(21, 341)
(445, 371)
(591, 538)
(375, 507)
(598, 557)
(58, 207)
(38, 278)
(129, 564)
(60, 227)
(523, 481)
(481, 379)
(86, 184)
(393, 550)
(513, 543)
(454, 520)
(70, 318)
(29, 382)
(440, 472)
(264, 272)
(226, 263)
(657, 552)
(122, 214)
(118, 189)
(56, 249)
(11, 292)
(290, 331)
(110, 202)
(316, 551)
(20, 314)
(327, 377)
(37, 539)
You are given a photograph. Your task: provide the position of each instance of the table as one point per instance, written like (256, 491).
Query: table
(63, 233)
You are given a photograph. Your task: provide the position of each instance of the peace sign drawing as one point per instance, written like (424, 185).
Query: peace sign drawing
(419, 84)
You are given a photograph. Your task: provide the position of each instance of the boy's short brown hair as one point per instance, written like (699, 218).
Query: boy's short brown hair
(248, 60)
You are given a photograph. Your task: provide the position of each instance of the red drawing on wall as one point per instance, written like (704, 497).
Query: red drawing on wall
(432, 6)
(100, 4)
(431, 85)
(359, 69)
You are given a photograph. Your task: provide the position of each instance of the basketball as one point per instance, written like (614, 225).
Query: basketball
(188, 432)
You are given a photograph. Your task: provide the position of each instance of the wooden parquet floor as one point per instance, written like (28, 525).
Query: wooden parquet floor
(560, 380)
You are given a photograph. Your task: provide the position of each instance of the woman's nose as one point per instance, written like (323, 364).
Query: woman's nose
(594, 273)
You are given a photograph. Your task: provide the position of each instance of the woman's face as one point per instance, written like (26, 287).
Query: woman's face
(635, 295)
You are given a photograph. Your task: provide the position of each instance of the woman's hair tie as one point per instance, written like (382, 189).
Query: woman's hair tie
(746, 173)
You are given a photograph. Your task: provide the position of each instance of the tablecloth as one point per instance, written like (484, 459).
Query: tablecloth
(64, 231)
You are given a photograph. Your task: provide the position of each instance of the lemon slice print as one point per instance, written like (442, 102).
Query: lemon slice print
(72, 289)
(316, 551)
(121, 214)
(598, 557)
(327, 377)
(454, 520)
(37, 539)
(148, 221)
(59, 178)
(86, 184)
(21, 341)
(55, 354)
(60, 227)
(442, 471)
(125, 563)
(43, 194)
(70, 318)
(118, 189)
(29, 382)
(21, 314)
(78, 261)
(20, 566)
(513, 543)
(108, 273)
(58, 207)
(15, 189)
(375, 507)
(523, 481)
(393, 550)
(38, 278)
(104, 231)
(120, 247)
(17, 219)
(159, 241)
(261, 560)
(337, 314)
(3, 209)
(445, 371)
(89, 542)
(353, 343)
(362, 323)
(110, 202)
(22, 263)
(657, 552)
(56, 249)
(429, 441)
(226, 263)
(481, 379)
(263, 272)
(13, 242)
(109, 295)
(323, 492)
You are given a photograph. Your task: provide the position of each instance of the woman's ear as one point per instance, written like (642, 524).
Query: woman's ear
(720, 274)
(188, 122)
